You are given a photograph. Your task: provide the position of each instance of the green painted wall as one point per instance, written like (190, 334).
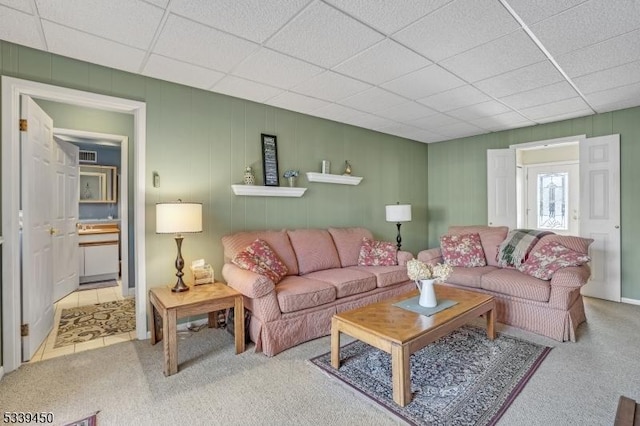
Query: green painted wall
(199, 142)
(457, 181)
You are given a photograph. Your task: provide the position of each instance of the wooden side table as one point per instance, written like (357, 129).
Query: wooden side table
(168, 306)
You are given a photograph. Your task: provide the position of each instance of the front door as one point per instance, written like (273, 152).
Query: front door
(37, 271)
(65, 218)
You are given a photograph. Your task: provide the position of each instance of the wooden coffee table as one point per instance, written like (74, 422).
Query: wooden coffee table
(401, 332)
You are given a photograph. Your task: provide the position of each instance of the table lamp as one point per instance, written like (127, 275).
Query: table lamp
(398, 213)
(178, 218)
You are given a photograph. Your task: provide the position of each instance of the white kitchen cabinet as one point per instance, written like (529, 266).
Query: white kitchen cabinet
(99, 256)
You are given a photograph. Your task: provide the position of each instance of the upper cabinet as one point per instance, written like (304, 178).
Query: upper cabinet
(98, 184)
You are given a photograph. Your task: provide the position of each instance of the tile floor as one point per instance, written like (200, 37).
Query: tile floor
(75, 299)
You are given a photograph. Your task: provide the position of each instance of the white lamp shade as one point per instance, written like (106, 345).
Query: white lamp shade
(178, 218)
(398, 212)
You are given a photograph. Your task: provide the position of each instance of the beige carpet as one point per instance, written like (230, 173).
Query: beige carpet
(90, 322)
(577, 384)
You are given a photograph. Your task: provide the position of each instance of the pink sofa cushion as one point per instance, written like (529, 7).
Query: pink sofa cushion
(463, 250)
(469, 277)
(490, 236)
(277, 240)
(549, 258)
(377, 253)
(579, 244)
(259, 258)
(514, 283)
(296, 293)
(314, 250)
(386, 275)
(346, 281)
(348, 242)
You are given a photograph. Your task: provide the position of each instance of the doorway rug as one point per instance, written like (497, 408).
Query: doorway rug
(90, 322)
(461, 379)
(87, 421)
(98, 284)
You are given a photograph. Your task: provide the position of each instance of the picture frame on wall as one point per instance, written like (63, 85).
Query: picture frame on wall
(270, 160)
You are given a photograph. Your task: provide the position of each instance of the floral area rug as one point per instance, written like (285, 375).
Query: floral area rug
(461, 379)
(90, 322)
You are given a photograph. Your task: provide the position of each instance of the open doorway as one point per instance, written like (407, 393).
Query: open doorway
(12, 285)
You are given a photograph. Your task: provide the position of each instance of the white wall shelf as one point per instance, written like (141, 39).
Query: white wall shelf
(267, 191)
(329, 178)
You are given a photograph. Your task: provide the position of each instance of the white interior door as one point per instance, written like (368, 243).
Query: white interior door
(501, 187)
(600, 213)
(37, 272)
(553, 197)
(65, 217)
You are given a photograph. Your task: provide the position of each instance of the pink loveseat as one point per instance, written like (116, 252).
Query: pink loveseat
(553, 308)
(323, 278)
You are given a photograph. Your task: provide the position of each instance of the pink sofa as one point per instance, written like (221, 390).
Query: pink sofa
(552, 308)
(324, 278)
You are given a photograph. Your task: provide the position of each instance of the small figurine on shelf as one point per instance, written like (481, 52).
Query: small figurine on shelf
(249, 179)
(347, 168)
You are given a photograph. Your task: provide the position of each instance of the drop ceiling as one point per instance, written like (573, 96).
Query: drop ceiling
(424, 70)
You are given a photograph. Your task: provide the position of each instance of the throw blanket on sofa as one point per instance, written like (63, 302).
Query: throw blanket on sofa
(515, 248)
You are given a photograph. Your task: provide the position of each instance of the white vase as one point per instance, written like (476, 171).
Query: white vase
(427, 293)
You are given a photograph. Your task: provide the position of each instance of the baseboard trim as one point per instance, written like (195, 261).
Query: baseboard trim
(630, 301)
(1, 372)
(197, 323)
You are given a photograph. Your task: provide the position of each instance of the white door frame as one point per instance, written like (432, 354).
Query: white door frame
(123, 193)
(12, 88)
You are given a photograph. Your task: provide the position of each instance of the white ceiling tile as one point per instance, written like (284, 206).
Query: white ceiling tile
(296, 102)
(406, 112)
(622, 97)
(586, 24)
(19, 27)
(324, 36)
(276, 69)
(507, 120)
(410, 132)
(388, 16)
(535, 11)
(372, 100)
(551, 109)
(433, 121)
(457, 27)
(455, 98)
(382, 62)
(91, 48)
(609, 79)
(336, 112)
(21, 5)
(254, 20)
(161, 3)
(180, 72)
(520, 80)
(330, 86)
(241, 88)
(559, 117)
(130, 22)
(484, 109)
(368, 121)
(610, 53)
(458, 130)
(200, 45)
(497, 57)
(540, 96)
(425, 82)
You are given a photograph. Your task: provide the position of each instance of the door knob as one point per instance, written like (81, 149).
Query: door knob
(53, 231)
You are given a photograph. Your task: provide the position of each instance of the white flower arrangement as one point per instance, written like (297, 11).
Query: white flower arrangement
(418, 270)
(291, 173)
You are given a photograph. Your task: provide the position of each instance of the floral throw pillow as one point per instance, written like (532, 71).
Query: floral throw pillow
(552, 256)
(462, 250)
(259, 258)
(377, 253)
